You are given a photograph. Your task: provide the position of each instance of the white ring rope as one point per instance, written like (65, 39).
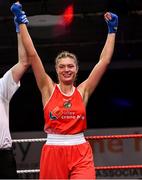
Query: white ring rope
(28, 171)
(25, 171)
(28, 140)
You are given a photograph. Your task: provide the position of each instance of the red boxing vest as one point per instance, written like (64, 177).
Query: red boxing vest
(65, 114)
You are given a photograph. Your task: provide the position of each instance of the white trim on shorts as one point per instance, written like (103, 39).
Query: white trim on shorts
(65, 140)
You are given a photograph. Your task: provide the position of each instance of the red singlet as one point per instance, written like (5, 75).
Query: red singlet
(65, 114)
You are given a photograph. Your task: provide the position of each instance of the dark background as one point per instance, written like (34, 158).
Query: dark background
(117, 99)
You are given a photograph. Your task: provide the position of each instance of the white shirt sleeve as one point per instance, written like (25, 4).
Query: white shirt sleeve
(8, 86)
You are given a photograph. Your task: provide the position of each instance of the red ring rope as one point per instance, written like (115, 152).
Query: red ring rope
(116, 137)
(118, 167)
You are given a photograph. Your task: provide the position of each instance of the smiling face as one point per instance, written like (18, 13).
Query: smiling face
(66, 68)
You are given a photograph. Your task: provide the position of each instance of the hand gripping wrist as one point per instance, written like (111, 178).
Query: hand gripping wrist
(24, 20)
(112, 23)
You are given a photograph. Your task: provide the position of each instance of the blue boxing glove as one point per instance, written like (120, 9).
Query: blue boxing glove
(20, 16)
(112, 22)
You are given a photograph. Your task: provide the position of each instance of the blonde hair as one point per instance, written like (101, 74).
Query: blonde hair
(65, 54)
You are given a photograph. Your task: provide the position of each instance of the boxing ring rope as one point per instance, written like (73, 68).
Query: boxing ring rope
(28, 171)
(87, 137)
(98, 137)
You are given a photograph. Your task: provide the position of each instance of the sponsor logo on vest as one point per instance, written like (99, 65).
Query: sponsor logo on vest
(52, 117)
(67, 104)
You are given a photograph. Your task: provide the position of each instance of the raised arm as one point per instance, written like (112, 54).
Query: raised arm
(89, 85)
(23, 62)
(44, 82)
